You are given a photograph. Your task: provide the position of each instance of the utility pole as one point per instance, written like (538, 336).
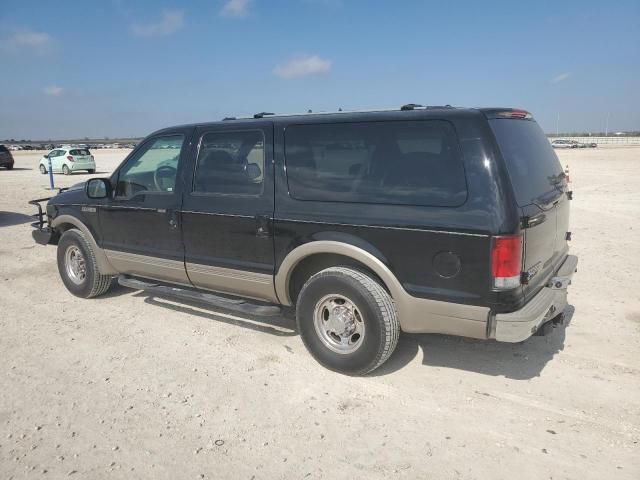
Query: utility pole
(606, 128)
(558, 125)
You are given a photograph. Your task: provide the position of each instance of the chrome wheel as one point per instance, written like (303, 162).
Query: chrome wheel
(74, 265)
(339, 324)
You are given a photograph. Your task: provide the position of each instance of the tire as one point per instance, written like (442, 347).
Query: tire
(92, 170)
(43, 169)
(10, 166)
(365, 336)
(84, 281)
(66, 170)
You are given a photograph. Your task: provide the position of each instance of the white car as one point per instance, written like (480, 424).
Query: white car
(67, 160)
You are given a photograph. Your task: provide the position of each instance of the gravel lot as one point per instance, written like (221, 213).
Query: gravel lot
(131, 386)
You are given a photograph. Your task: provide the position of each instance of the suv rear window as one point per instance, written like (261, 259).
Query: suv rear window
(533, 166)
(401, 162)
(82, 151)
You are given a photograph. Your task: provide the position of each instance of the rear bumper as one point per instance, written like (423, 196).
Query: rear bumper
(549, 302)
(82, 166)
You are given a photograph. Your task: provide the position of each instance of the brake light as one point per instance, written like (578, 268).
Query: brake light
(506, 261)
(70, 158)
(522, 114)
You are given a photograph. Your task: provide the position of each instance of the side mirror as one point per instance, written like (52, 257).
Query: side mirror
(253, 171)
(98, 188)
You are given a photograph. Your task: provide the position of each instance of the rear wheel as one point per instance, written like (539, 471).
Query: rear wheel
(66, 170)
(43, 169)
(10, 166)
(78, 267)
(347, 320)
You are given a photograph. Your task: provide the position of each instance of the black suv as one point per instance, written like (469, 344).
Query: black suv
(432, 219)
(6, 159)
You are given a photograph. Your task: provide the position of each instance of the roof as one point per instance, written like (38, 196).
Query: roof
(415, 112)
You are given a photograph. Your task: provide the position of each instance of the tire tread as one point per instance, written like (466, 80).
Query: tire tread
(384, 303)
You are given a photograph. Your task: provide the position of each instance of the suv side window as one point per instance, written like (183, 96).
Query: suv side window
(230, 162)
(151, 169)
(393, 162)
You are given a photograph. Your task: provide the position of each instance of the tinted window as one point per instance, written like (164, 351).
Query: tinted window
(3, 149)
(230, 163)
(80, 152)
(405, 163)
(151, 169)
(532, 164)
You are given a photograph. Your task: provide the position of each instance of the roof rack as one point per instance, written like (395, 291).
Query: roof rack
(410, 106)
(413, 106)
(262, 114)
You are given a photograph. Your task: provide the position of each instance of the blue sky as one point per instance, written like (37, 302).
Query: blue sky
(128, 67)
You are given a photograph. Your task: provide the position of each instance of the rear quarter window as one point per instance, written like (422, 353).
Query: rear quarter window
(396, 162)
(533, 166)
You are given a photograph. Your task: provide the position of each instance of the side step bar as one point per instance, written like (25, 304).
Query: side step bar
(238, 305)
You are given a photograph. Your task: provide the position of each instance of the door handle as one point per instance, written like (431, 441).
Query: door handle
(173, 219)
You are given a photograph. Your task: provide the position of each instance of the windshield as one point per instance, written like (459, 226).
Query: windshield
(533, 166)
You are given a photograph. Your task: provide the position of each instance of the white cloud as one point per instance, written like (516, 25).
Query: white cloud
(53, 91)
(301, 66)
(171, 22)
(235, 8)
(561, 77)
(20, 40)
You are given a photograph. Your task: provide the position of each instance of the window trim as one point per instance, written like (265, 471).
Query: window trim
(195, 193)
(139, 148)
(458, 145)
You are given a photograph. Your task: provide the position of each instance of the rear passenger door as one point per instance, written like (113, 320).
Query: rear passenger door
(228, 211)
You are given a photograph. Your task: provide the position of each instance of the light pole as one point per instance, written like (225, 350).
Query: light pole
(558, 125)
(606, 128)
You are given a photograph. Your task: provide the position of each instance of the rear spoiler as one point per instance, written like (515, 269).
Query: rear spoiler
(515, 113)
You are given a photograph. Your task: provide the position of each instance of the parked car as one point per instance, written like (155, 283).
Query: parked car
(561, 143)
(6, 159)
(67, 160)
(442, 220)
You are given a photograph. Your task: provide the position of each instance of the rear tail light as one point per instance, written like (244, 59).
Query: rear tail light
(506, 261)
(522, 114)
(70, 158)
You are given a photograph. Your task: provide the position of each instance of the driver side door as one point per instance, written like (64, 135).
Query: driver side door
(141, 223)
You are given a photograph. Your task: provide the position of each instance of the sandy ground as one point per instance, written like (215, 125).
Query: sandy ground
(130, 386)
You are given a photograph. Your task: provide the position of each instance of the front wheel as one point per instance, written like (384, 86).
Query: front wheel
(78, 267)
(66, 170)
(43, 169)
(92, 170)
(347, 320)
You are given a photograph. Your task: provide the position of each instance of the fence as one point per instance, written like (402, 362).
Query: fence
(611, 140)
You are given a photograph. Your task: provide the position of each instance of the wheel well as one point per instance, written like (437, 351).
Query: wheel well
(59, 230)
(309, 266)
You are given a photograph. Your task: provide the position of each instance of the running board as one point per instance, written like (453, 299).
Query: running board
(237, 305)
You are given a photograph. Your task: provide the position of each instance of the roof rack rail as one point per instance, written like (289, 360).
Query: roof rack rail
(228, 118)
(410, 106)
(262, 114)
(438, 106)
